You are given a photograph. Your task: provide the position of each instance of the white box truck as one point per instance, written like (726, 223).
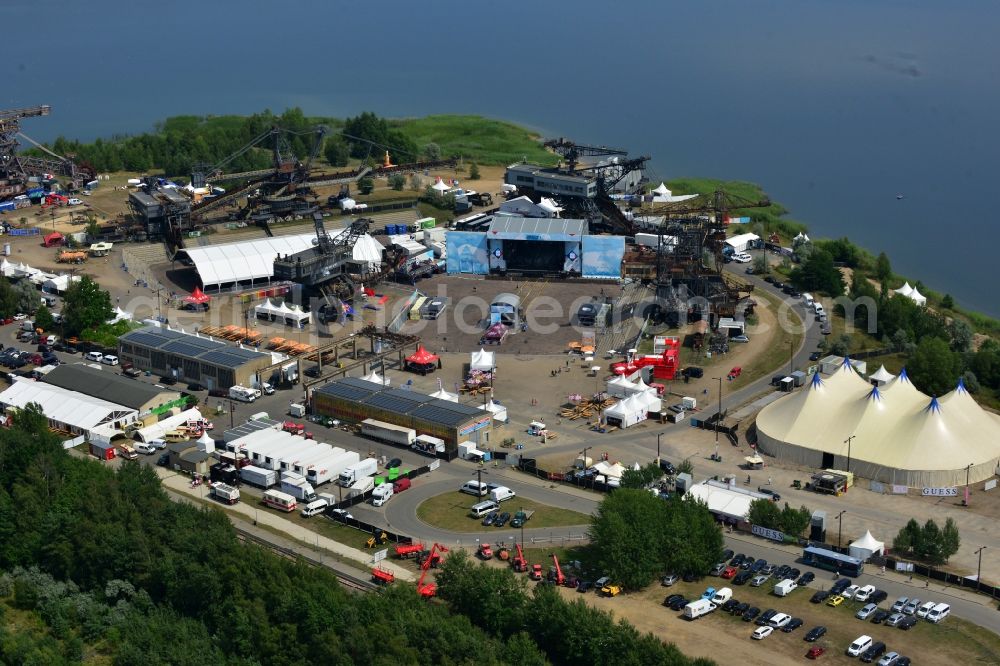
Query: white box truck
(386, 432)
(243, 393)
(697, 608)
(330, 468)
(225, 493)
(381, 494)
(297, 410)
(366, 467)
(361, 486)
(315, 456)
(299, 489)
(258, 476)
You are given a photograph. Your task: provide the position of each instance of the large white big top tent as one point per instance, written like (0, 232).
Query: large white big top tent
(899, 435)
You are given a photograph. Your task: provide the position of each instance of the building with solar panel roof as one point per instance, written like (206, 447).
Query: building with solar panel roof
(354, 399)
(192, 358)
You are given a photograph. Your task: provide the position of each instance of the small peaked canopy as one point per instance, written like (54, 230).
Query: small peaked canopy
(6, 268)
(482, 360)
(198, 297)
(54, 237)
(882, 375)
(376, 378)
(440, 186)
(549, 206)
(422, 357)
(905, 290)
(493, 407)
(867, 546)
(206, 438)
(662, 190)
(754, 460)
(441, 394)
(917, 297)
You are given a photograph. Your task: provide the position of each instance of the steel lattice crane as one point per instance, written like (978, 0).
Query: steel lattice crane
(16, 170)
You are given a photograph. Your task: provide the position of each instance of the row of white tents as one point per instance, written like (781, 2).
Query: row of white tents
(638, 400)
(48, 282)
(292, 315)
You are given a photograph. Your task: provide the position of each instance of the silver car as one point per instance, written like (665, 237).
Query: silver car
(900, 604)
(911, 606)
(758, 581)
(894, 620)
(669, 580)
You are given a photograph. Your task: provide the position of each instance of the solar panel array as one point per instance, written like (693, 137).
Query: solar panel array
(190, 346)
(400, 401)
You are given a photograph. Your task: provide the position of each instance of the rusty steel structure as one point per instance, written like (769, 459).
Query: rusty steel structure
(17, 169)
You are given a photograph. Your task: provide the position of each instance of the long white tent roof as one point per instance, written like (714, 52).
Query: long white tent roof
(66, 407)
(893, 427)
(247, 260)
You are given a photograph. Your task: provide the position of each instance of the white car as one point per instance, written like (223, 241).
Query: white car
(20, 316)
(75, 202)
(742, 258)
(864, 593)
(850, 592)
(760, 633)
(267, 388)
(780, 620)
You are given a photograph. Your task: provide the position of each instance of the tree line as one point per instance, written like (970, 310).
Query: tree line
(928, 542)
(115, 568)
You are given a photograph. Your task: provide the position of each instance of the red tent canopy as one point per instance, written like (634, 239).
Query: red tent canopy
(422, 357)
(198, 296)
(55, 238)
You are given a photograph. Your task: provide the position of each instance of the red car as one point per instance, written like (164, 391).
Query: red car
(292, 427)
(815, 652)
(729, 572)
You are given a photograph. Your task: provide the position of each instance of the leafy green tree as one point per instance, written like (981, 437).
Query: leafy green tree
(336, 151)
(765, 513)
(626, 534)
(474, 172)
(366, 185)
(950, 540)
(948, 303)
(397, 181)
(760, 264)
(432, 151)
(883, 269)
(28, 299)
(933, 367)
(960, 335)
(85, 306)
(971, 382)
(817, 273)
(909, 540)
(685, 467)
(841, 345)
(795, 521)
(492, 598)
(43, 319)
(931, 543)
(8, 299)
(416, 182)
(642, 477)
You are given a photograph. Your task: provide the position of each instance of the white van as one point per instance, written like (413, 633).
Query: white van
(476, 488)
(382, 494)
(483, 508)
(807, 299)
(145, 449)
(722, 596)
(501, 494)
(818, 307)
(95, 356)
(938, 613)
(158, 444)
(109, 360)
(314, 508)
(860, 644)
(925, 609)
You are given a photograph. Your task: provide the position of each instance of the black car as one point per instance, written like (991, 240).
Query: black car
(737, 560)
(815, 634)
(750, 613)
(792, 625)
(781, 573)
(906, 623)
(488, 520)
(767, 491)
(806, 578)
(878, 596)
(778, 285)
(584, 586)
(739, 609)
(679, 604)
(502, 519)
(742, 578)
(769, 279)
(218, 393)
(815, 356)
(747, 563)
(880, 615)
(787, 288)
(873, 653)
(794, 293)
(689, 577)
(758, 565)
(819, 597)
(668, 467)
(168, 380)
(841, 585)
(902, 661)
(730, 605)
(313, 371)
(693, 372)
(766, 616)
(50, 359)
(726, 555)
(163, 460)
(671, 599)
(195, 386)
(395, 462)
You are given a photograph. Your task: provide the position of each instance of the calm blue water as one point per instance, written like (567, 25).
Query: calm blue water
(833, 106)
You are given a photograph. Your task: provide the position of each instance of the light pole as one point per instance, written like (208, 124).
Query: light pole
(658, 436)
(840, 526)
(480, 473)
(965, 500)
(718, 418)
(791, 356)
(979, 570)
(848, 442)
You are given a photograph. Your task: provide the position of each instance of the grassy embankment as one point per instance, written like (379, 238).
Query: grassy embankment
(450, 511)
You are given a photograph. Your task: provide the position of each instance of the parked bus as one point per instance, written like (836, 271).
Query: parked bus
(280, 501)
(830, 560)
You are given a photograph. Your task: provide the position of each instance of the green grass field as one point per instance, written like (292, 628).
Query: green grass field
(450, 511)
(773, 217)
(477, 139)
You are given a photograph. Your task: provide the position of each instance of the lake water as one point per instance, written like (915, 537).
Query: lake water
(835, 107)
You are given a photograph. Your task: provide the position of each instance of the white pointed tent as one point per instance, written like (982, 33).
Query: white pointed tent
(626, 412)
(898, 434)
(206, 443)
(444, 395)
(376, 378)
(881, 377)
(120, 315)
(482, 360)
(7, 269)
(440, 186)
(911, 293)
(663, 195)
(498, 411)
(867, 546)
(290, 315)
(620, 387)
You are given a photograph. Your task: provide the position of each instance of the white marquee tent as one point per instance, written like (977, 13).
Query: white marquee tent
(66, 409)
(881, 377)
(620, 387)
(499, 411)
(899, 435)
(292, 315)
(376, 378)
(482, 360)
(911, 293)
(161, 428)
(444, 395)
(663, 195)
(626, 412)
(244, 261)
(867, 546)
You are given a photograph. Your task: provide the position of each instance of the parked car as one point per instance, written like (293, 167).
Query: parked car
(907, 623)
(792, 625)
(806, 578)
(163, 460)
(880, 616)
(850, 591)
(815, 634)
(726, 555)
(502, 519)
(729, 573)
(195, 386)
(815, 652)
(758, 565)
(897, 607)
(736, 560)
(819, 596)
(911, 606)
(747, 563)
(766, 616)
(742, 577)
(671, 599)
(740, 338)
(730, 605)
(669, 580)
(760, 633)
(815, 356)
(740, 608)
(680, 603)
(866, 612)
(718, 569)
(873, 653)
(839, 586)
(313, 371)
(889, 659)
(758, 581)
(835, 600)
(750, 613)
(488, 520)
(170, 381)
(767, 491)
(584, 586)
(894, 619)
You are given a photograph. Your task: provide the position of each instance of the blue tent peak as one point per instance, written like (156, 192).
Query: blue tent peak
(903, 376)
(847, 361)
(817, 381)
(875, 394)
(961, 386)
(935, 406)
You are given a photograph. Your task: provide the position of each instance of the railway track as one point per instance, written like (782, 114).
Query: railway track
(350, 582)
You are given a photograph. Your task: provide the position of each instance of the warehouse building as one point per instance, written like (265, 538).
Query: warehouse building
(192, 358)
(354, 399)
(148, 400)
